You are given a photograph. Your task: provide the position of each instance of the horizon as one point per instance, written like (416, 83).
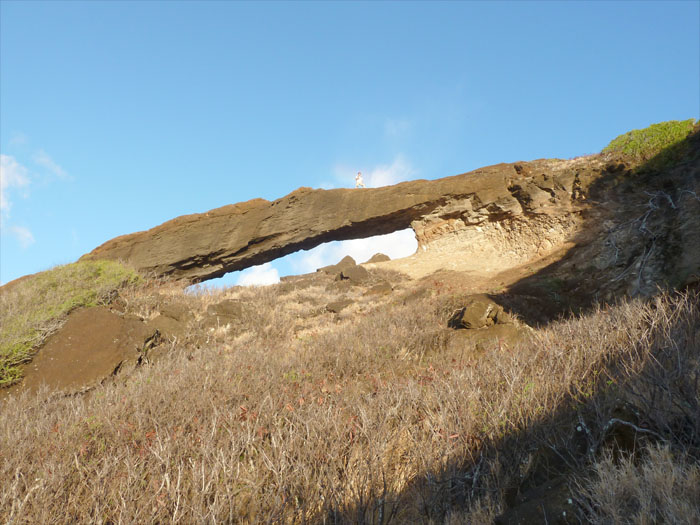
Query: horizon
(118, 117)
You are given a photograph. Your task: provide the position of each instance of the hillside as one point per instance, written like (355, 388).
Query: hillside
(536, 360)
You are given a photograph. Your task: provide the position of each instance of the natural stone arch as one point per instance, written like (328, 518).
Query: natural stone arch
(206, 245)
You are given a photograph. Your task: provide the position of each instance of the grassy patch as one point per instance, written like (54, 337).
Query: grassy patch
(32, 308)
(643, 145)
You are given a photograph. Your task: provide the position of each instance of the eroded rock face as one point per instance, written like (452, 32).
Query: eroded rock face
(207, 245)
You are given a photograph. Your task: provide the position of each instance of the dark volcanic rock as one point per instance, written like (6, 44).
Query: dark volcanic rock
(229, 308)
(173, 320)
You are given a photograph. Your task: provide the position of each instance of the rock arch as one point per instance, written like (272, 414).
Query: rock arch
(207, 245)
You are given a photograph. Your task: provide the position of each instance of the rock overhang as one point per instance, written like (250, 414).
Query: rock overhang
(207, 245)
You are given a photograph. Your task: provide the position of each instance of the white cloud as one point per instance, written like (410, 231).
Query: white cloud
(382, 175)
(23, 235)
(259, 276)
(400, 170)
(43, 159)
(399, 244)
(311, 260)
(396, 245)
(12, 175)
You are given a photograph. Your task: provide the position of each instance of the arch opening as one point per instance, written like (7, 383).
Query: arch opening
(397, 245)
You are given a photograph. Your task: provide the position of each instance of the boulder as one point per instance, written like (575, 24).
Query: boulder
(377, 258)
(479, 312)
(229, 308)
(93, 344)
(334, 269)
(354, 274)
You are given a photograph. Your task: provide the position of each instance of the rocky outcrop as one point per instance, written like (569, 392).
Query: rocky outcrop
(479, 312)
(207, 245)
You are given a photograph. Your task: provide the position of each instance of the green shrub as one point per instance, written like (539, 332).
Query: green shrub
(35, 306)
(643, 145)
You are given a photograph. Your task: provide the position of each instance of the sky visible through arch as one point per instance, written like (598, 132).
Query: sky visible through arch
(117, 116)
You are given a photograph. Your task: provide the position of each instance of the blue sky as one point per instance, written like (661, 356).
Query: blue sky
(117, 116)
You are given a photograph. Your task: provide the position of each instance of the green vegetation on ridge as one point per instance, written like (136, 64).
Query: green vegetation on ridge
(644, 144)
(32, 308)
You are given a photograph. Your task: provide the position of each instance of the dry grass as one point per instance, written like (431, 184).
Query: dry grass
(662, 487)
(299, 415)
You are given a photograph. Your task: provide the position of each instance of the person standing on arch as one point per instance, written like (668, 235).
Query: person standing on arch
(359, 183)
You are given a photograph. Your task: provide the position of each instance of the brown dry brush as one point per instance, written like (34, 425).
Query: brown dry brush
(663, 486)
(646, 438)
(368, 418)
